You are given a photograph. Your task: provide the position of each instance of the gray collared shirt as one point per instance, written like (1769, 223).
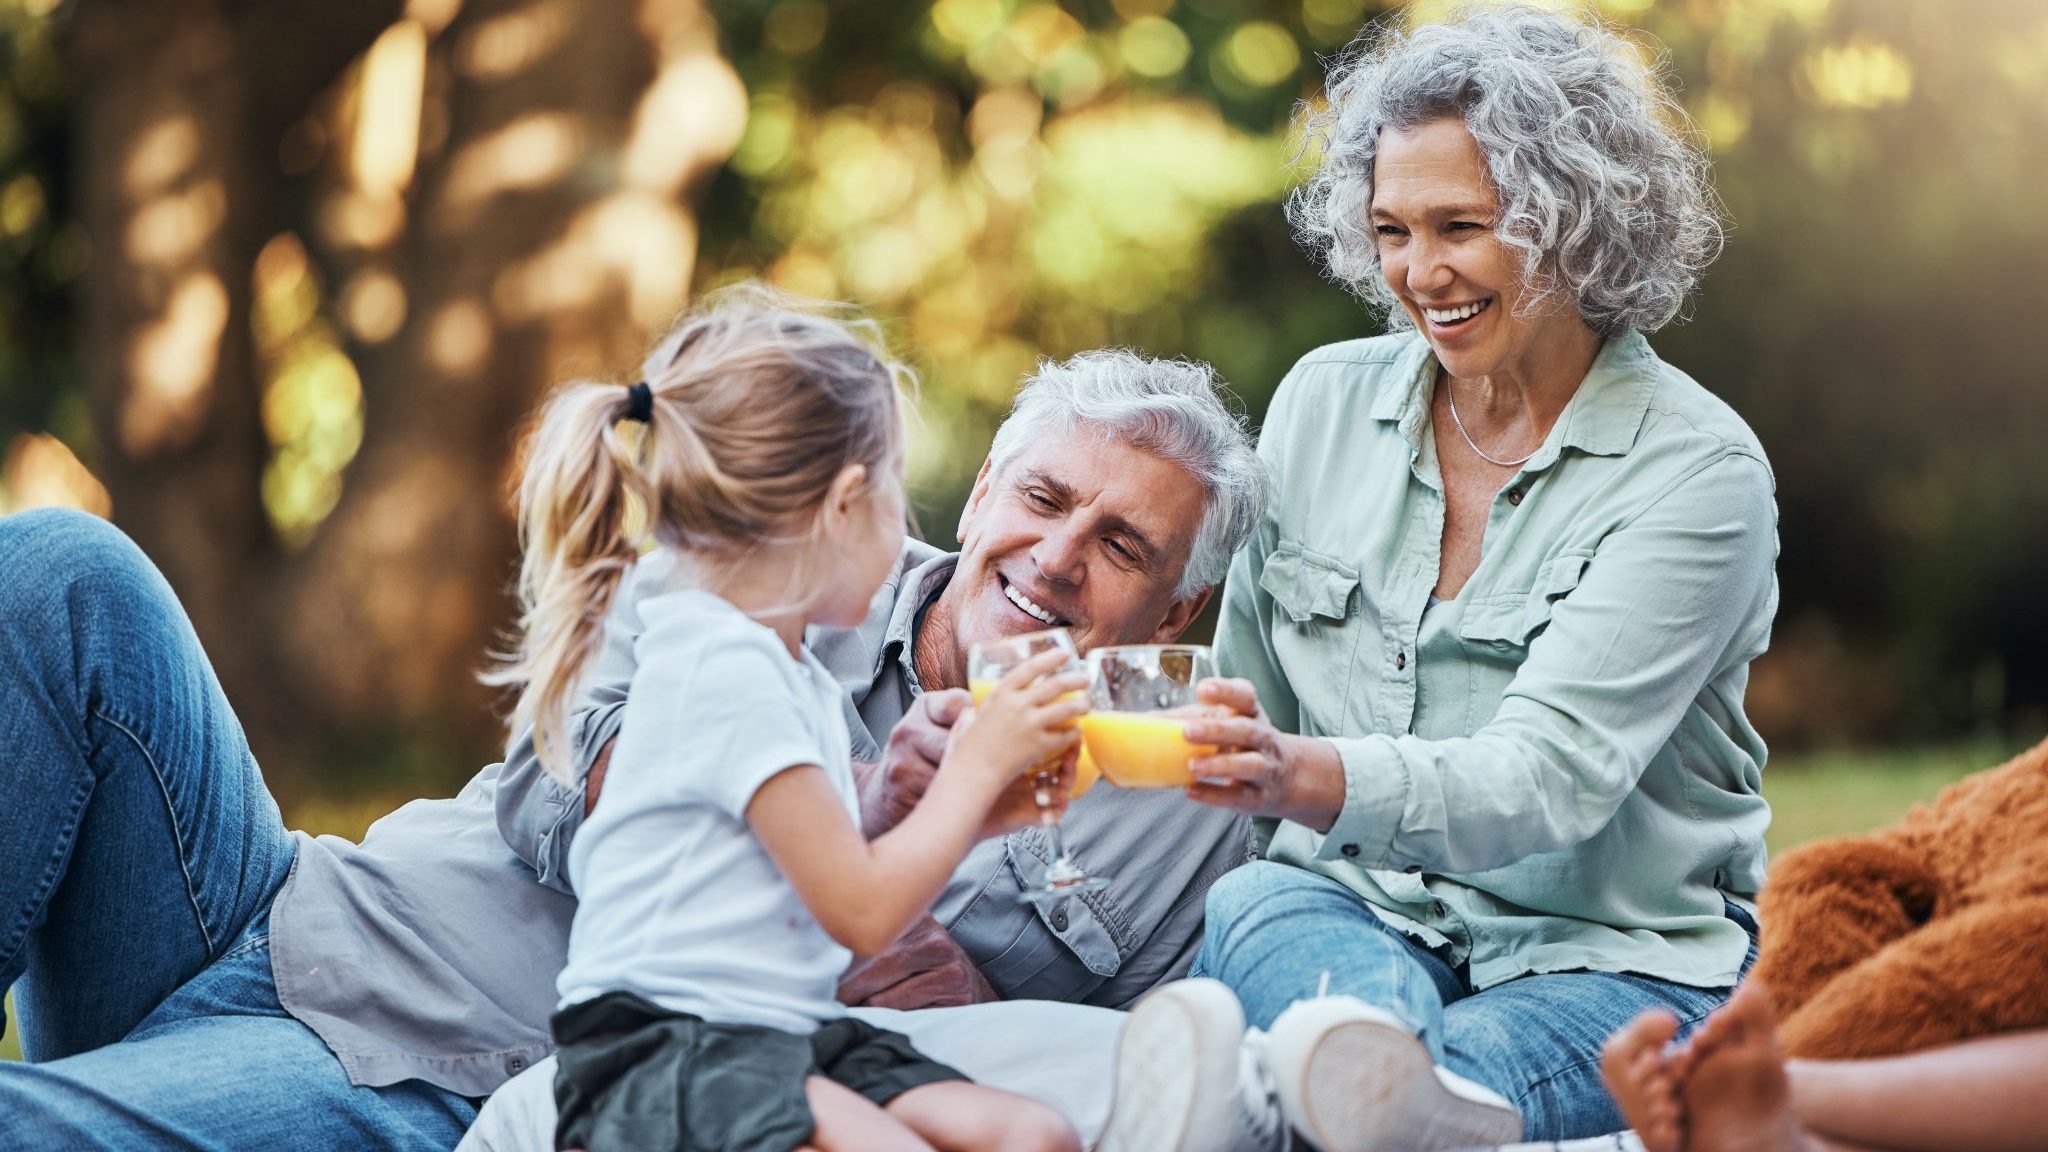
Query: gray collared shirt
(430, 950)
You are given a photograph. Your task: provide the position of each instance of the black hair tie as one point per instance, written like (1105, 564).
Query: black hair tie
(640, 402)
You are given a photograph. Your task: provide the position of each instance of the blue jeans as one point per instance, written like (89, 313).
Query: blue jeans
(1273, 930)
(139, 855)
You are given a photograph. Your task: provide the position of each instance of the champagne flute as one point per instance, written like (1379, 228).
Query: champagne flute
(987, 663)
(1140, 696)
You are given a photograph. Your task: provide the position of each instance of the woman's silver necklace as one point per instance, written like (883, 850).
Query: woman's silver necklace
(1451, 394)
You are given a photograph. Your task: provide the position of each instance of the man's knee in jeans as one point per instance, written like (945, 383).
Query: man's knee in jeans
(51, 547)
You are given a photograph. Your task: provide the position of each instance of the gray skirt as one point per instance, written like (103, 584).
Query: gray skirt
(634, 1077)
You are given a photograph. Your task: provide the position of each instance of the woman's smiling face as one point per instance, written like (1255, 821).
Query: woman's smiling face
(1434, 213)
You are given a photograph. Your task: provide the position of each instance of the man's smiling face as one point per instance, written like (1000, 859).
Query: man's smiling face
(1078, 531)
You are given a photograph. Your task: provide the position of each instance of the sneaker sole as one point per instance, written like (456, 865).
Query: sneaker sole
(1371, 1087)
(1176, 1072)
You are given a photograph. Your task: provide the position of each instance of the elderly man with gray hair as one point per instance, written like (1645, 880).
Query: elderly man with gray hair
(1110, 504)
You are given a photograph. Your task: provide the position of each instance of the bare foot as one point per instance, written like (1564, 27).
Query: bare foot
(1734, 1091)
(1644, 1083)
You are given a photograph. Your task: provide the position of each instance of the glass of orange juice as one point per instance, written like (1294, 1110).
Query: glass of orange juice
(988, 662)
(1140, 696)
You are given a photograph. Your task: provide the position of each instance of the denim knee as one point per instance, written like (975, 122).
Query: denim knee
(92, 598)
(1254, 899)
(49, 547)
(1243, 889)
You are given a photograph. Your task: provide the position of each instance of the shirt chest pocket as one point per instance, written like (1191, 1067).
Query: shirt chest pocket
(1509, 622)
(1308, 588)
(1315, 610)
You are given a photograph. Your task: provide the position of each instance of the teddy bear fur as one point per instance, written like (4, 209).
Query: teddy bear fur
(1928, 932)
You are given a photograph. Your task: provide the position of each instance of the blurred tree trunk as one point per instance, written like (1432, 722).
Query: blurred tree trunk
(181, 105)
(389, 616)
(546, 230)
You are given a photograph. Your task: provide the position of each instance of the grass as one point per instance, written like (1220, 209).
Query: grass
(1842, 793)
(1812, 796)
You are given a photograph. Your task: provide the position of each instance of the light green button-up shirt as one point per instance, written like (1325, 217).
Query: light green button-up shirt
(1552, 771)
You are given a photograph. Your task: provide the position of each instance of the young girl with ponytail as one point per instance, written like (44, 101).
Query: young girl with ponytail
(723, 877)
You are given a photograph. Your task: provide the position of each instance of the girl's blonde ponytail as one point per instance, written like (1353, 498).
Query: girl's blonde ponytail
(577, 506)
(756, 406)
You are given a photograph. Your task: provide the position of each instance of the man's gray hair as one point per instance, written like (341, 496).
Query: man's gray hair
(1601, 183)
(1171, 408)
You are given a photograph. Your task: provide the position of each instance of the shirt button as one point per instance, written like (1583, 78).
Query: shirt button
(515, 1065)
(1400, 661)
(1515, 496)
(1059, 919)
(1349, 849)
(1412, 869)
(1438, 908)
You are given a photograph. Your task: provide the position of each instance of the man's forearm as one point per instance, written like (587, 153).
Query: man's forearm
(926, 968)
(876, 813)
(536, 811)
(593, 781)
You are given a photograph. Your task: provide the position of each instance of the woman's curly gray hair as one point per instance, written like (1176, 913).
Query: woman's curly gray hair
(1601, 184)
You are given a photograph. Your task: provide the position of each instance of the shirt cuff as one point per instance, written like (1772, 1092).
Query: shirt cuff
(551, 857)
(1376, 788)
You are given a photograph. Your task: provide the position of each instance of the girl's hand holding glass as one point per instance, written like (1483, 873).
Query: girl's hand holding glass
(991, 664)
(1024, 721)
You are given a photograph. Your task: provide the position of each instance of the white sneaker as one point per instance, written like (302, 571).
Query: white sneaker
(1187, 1080)
(1354, 1078)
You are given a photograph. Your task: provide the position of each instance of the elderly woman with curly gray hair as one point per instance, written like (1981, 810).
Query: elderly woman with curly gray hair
(1488, 649)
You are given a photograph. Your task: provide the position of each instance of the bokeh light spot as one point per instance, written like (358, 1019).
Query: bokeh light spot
(373, 304)
(967, 22)
(1154, 47)
(387, 136)
(505, 46)
(171, 367)
(164, 153)
(797, 27)
(21, 206)
(1260, 54)
(40, 471)
(1859, 74)
(459, 340)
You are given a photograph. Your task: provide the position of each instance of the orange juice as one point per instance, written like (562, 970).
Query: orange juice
(1085, 774)
(1141, 749)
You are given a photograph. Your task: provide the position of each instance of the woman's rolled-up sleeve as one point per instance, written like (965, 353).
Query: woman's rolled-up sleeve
(1667, 602)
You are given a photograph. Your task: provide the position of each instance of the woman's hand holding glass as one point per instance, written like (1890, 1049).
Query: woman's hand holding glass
(1143, 695)
(1257, 768)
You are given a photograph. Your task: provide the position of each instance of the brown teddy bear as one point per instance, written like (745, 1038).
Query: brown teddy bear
(1928, 932)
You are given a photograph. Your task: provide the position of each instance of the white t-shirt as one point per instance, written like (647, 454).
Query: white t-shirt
(676, 900)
